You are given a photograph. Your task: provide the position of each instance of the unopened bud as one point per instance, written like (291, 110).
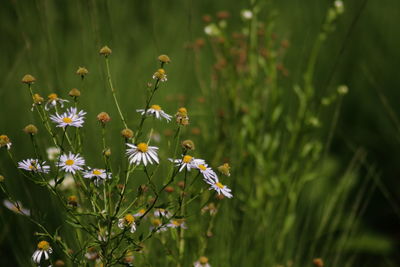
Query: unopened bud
(31, 129)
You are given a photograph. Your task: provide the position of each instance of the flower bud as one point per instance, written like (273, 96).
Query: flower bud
(188, 144)
(127, 133)
(318, 262)
(30, 129)
(105, 51)
(103, 117)
(74, 93)
(107, 152)
(169, 189)
(28, 79)
(164, 59)
(82, 71)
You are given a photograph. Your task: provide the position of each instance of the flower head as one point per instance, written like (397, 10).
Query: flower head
(33, 165)
(127, 221)
(162, 213)
(156, 111)
(142, 153)
(225, 169)
(103, 117)
(98, 175)
(182, 116)
(187, 162)
(207, 172)
(31, 129)
(220, 188)
(43, 248)
(53, 152)
(164, 59)
(16, 207)
(82, 71)
(74, 92)
(105, 51)
(5, 141)
(53, 100)
(139, 213)
(176, 223)
(157, 225)
(127, 133)
(160, 75)
(69, 118)
(71, 163)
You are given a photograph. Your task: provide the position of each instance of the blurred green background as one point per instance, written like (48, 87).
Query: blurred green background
(50, 39)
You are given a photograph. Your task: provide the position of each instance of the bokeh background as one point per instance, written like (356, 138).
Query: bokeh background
(50, 39)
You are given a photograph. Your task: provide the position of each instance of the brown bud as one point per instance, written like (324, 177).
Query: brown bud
(169, 189)
(181, 184)
(59, 263)
(164, 59)
(28, 79)
(30, 129)
(223, 15)
(74, 93)
(105, 51)
(103, 117)
(318, 262)
(207, 18)
(188, 144)
(127, 133)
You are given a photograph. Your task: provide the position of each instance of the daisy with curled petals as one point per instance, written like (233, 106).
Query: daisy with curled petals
(187, 162)
(16, 207)
(156, 111)
(33, 165)
(70, 118)
(202, 262)
(220, 188)
(127, 221)
(5, 141)
(71, 163)
(142, 153)
(207, 172)
(98, 175)
(43, 249)
(53, 101)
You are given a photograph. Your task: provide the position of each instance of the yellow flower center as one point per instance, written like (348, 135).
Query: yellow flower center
(156, 107)
(129, 219)
(156, 222)
(69, 162)
(67, 120)
(187, 159)
(219, 185)
(142, 211)
(203, 260)
(161, 71)
(182, 111)
(96, 172)
(4, 140)
(176, 222)
(53, 96)
(43, 245)
(202, 167)
(142, 147)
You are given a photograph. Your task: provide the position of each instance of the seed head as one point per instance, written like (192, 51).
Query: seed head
(164, 59)
(31, 129)
(37, 99)
(103, 117)
(188, 144)
(127, 133)
(318, 262)
(105, 51)
(28, 79)
(82, 71)
(74, 93)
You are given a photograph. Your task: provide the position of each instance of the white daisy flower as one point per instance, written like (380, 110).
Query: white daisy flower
(220, 188)
(16, 207)
(160, 75)
(43, 248)
(187, 162)
(156, 111)
(53, 101)
(202, 262)
(53, 152)
(142, 153)
(91, 254)
(98, 175)
(177, 223)
(162, 213)
(69, 118)
(127, 221)
(5, 141)
(33, 165)
(158, 226)
(207, 172)
(71, 163)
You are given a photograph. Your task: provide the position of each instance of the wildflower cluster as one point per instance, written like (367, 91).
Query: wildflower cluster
(110, 222)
